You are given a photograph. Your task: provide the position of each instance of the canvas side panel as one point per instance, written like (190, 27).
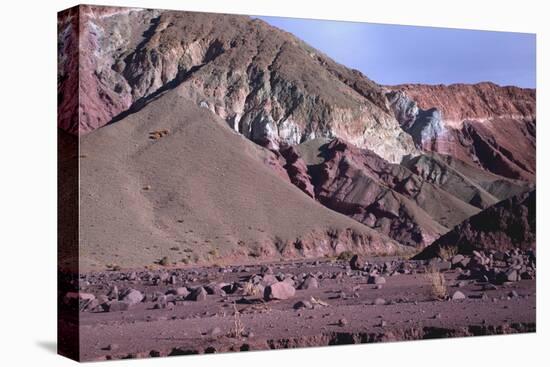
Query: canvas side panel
(67, 183)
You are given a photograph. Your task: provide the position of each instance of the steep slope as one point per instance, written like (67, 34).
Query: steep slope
(387, 197)
(169, 103)
(467, 182)
(507, 225)
(174, 180)
(483, 124)
(264, 82)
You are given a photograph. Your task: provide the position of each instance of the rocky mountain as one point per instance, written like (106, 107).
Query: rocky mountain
(465, 181)
(484, 124)
(265, 83)
(210, 137)
(413, 203)
(174, 180)
(508, 225)
(384, 196)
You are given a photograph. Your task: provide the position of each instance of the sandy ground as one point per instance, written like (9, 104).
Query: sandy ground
(346, 309)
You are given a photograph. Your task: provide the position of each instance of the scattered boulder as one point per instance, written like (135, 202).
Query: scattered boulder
(457, 260)
(214, 289)
(182, 292)
(113, 292)
(269, 279)
(279, 291)
(230, 288)
(512, 275)
(309, 283)
(132, 296)
(376, 279)
(357, 262)
(198, 294)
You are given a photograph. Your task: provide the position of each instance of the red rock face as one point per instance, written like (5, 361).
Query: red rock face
(297, 170)
(462, 102)
(388, 197)
(91, 93)
(67, 70)
(483, 124)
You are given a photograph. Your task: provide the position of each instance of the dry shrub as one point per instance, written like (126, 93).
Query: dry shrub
(447, 253)
(113, 267)
(154, 135)
(345, 255)
(437, 281)
(237, 329)
(251, 289)
(164, 261)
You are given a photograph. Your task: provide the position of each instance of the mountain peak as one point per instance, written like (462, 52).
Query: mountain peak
(265, 83)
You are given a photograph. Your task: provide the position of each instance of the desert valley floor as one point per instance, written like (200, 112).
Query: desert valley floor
(221, 309)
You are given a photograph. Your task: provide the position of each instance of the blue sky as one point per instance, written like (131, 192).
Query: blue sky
(395, 54)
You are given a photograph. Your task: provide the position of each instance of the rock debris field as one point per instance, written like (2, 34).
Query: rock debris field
(166, 312)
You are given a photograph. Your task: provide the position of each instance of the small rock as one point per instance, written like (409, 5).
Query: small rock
(458, 295)
(457, 259)
(380, 301)
(526, 275)
(113, 292)
(182, 292)
(444, 266)
(86, 296)
(173, 279)
(357, 262)
(112, 347)
(215, 331)
(303, 304)
(512, 275)
(342, 322)
(376, 279)
(266, 270)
